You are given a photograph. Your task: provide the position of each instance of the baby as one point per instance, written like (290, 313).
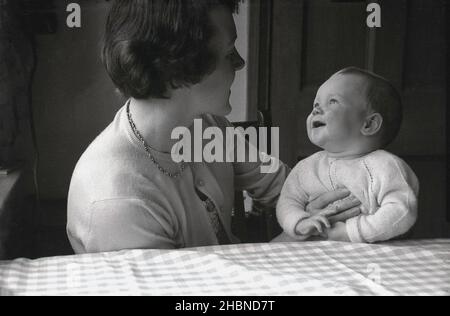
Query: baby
(355, 114)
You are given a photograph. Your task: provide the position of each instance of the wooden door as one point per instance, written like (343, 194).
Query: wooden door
(312, 39)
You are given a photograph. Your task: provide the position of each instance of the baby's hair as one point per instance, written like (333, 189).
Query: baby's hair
(383, 98)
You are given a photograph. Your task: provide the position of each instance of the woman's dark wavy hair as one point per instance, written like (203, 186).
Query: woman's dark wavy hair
(151, 46)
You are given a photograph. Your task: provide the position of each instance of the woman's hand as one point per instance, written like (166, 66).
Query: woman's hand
(344, 204)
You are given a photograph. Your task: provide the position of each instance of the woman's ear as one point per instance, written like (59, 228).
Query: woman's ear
(372, 125)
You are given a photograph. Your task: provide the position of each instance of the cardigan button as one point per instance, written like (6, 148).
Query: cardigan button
(200, 183)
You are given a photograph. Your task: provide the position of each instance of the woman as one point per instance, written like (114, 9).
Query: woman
(176, 61)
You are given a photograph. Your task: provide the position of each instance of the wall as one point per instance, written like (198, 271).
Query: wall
(16, 65)
(73, 98)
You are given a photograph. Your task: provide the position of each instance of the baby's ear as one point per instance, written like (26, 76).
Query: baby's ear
(372, 125)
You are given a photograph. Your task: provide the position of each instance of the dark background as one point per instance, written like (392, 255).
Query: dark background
(65, 98)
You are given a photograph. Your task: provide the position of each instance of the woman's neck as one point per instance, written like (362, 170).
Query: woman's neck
(155, 120)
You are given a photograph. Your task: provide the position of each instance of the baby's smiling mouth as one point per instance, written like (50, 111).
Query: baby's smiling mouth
(318, 124)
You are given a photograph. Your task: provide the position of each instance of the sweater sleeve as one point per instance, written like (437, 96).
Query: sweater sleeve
(127, 224)
(291, 207)
(264, 179)
(396, 188)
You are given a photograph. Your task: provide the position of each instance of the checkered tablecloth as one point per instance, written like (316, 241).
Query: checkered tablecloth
(311, 268)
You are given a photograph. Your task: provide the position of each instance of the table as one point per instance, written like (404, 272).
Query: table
(271, 269)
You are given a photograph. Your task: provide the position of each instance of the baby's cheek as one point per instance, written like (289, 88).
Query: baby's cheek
(308, 128)
(308, 121)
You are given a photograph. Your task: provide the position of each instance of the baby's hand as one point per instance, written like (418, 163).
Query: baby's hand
(313, 225)
(338, 233)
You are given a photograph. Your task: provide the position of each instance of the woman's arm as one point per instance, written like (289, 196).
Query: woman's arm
(120, 224)
(251, 176)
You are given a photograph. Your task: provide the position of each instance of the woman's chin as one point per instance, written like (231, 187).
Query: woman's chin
(225, 110)
(228, 108)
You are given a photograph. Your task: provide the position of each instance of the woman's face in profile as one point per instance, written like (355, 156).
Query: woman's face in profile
(212, 94)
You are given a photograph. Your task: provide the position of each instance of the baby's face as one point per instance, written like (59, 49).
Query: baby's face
(339, 113)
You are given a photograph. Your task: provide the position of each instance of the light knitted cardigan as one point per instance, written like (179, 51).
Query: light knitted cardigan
(385, 184)
(118, 199)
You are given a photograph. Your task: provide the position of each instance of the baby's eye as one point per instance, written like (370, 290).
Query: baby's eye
(333, 101)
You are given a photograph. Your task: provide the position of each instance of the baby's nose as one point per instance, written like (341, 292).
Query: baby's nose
(316, 110)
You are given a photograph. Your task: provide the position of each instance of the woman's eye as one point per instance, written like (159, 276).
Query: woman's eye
(232, 53)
